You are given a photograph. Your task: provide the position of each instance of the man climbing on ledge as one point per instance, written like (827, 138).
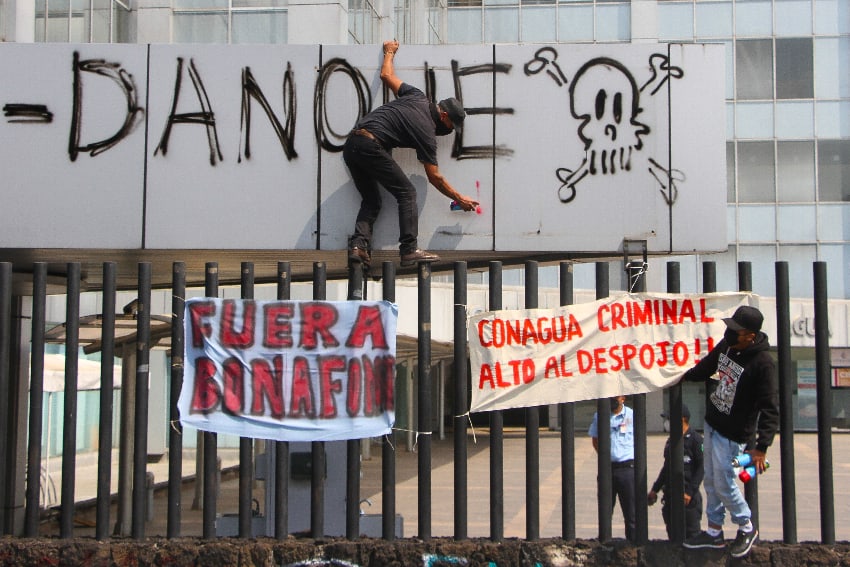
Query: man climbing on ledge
(409, 121)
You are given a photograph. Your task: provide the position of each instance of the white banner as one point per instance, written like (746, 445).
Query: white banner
(621, 345)
(289, 370)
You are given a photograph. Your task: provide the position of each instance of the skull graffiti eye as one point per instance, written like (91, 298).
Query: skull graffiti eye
(618, 107)
(601, 97)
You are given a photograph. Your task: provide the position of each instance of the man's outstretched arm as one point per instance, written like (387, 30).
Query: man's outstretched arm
(388, 76)
(443, 186)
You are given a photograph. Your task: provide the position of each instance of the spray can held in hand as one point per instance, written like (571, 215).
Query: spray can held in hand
(748, 470)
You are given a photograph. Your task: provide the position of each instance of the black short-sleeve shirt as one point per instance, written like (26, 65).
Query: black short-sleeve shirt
(405, 122)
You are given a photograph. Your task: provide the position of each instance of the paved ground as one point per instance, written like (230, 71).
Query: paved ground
(807, 488)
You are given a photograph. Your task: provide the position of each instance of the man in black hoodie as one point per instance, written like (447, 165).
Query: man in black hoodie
(741, 403)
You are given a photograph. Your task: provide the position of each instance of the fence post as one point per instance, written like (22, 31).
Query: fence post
(107, 377)
(140, 442)
(460, 401)
(175, 430)
(36, 427)
(497, 424)
(786, 403)
(69, 430)
(636, 271)
(6, 525)
(281, 448)
(745, 283)
(676, 472)
(317, 448)
(567, 420)
(532, 429)
(824, 404)
(210, 440)
(424, 425)
(603, 420)
(246, 444)
(387, 451)
(352, 446)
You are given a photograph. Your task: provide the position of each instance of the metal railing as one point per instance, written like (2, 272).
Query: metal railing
(14, 404)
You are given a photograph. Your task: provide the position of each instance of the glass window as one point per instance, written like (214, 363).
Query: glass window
(833, 170)
(832, 17)
(501, 25)
(613, 22)
(259, 27)
(539, 24)
(832, 119)
(730, 172)
(795, 172)
(260, 3)
(200, 28)
(575, 22)
(794, 76)
(793, 17)
(731, 224)
(730, 69)
(797, 223)
(833, 222)
(795, 120)
(756, 172)
(763, 261)
(675, 21)
(757, 224)
(799, 258)
(464, 25)
(730, 120)
(714, 19)
(837, 280)
(832, 67)
(754, 119)
(754, 69)
(754, 19)
(189, 4)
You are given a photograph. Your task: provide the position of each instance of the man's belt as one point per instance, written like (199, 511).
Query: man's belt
(623, 464)
(365, 133)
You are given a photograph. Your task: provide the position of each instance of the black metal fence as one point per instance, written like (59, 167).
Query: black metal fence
(16, 402)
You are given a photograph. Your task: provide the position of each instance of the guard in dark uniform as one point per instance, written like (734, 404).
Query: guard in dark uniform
(693, 479)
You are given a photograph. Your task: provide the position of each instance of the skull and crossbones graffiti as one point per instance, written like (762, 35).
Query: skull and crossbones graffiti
(605, 100)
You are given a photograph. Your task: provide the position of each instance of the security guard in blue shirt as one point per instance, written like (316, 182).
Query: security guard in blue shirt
(622, 459)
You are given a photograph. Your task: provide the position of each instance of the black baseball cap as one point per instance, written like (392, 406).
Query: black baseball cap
(746, 318)
(454, 109)
(686, 412)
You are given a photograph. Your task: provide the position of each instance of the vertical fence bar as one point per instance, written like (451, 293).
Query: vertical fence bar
(36, 427)
(603, 421)
(69, 431)
(318, 457)
(352, 446)
(675, 482)
(175, 429)
(745, 283)
(246, 452)
(637, 283)
(281, 448)
(424, 426)
(786, 403)
(210, 440)
(567, 420)
(532, 428)
(824, 404)
(140, 441)
(107, 378)
(6, 458)
(460, 401)
(387, 452)
(497, 438)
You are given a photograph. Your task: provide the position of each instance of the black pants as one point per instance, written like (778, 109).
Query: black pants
(623, 485)
(370, 164)
(693, 516)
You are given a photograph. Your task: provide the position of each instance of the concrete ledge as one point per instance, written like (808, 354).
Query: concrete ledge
(293, 552)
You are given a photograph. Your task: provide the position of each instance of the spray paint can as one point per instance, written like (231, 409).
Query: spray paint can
(749, 472)
(742, 460)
